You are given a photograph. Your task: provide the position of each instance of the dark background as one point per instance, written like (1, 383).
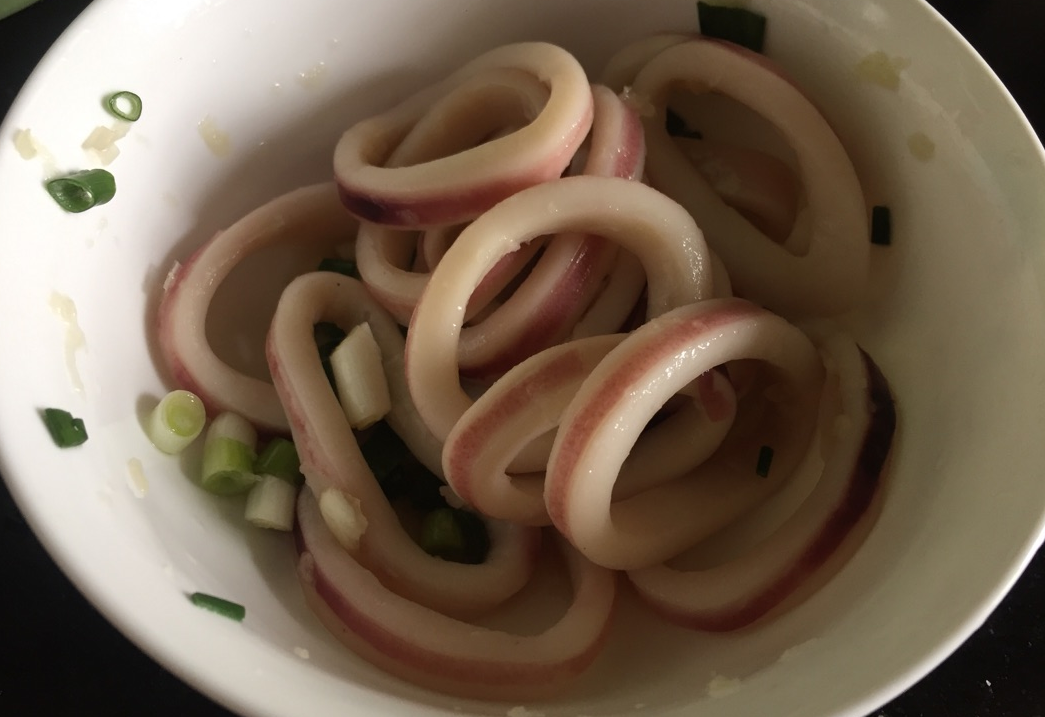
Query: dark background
(58, 656)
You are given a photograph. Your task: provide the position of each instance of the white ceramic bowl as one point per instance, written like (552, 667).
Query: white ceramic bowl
(956, 322)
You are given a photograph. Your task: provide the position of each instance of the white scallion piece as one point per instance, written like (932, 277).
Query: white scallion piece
(344, 517)
(360, 378)
(270, 503)
(176, 421)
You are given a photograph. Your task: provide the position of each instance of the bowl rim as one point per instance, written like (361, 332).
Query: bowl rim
(218, 689)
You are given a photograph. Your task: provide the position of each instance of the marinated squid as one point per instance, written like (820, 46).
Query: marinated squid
(603, 360)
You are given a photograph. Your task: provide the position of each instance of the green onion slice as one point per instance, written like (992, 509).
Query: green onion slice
(228, 455)
(176, 421)
(339, 266)
(440, 534)
(124, 105)
(66, 430)
(228, 466)
(765, 460)
(79, 191)
(280, 459)
(225, 608)
(456, 535)
(881, 226)
(270, 503)
(734, 24)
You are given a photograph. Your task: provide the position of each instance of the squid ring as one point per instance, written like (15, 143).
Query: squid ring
(622, 394)
(831, 275)
(457, 188)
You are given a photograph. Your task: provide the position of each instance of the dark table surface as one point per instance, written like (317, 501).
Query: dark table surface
(58, 656)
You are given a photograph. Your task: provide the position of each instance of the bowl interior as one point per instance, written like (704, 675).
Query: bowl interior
(954, 319)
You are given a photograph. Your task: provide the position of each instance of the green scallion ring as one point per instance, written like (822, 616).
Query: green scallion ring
(125, 105)
(280, 459)
(176, 421)
(79, 191)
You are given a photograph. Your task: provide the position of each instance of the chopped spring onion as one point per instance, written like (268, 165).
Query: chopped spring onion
(66, 430)
(228, 455)
(734, 24)
(881, 226)
(79, 191)
(339, 266)
(343, 517)
(455, 535)
(677, 127)
(124, 105)
(176, 421)
(280, 459)
(270, 503)
(765, 460)
(225, 608)
(360, 378)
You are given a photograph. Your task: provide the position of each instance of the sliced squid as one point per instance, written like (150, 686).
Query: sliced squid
(457, 188)
(521, 406)
(530, 400)
(567, 278)
(308, 216)
(508, 99)
(434, 650)
(382, 254)
(830, 276)
(562, 284)
(860, 420)
(625, 390)
(657, 230)
(331, 459)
